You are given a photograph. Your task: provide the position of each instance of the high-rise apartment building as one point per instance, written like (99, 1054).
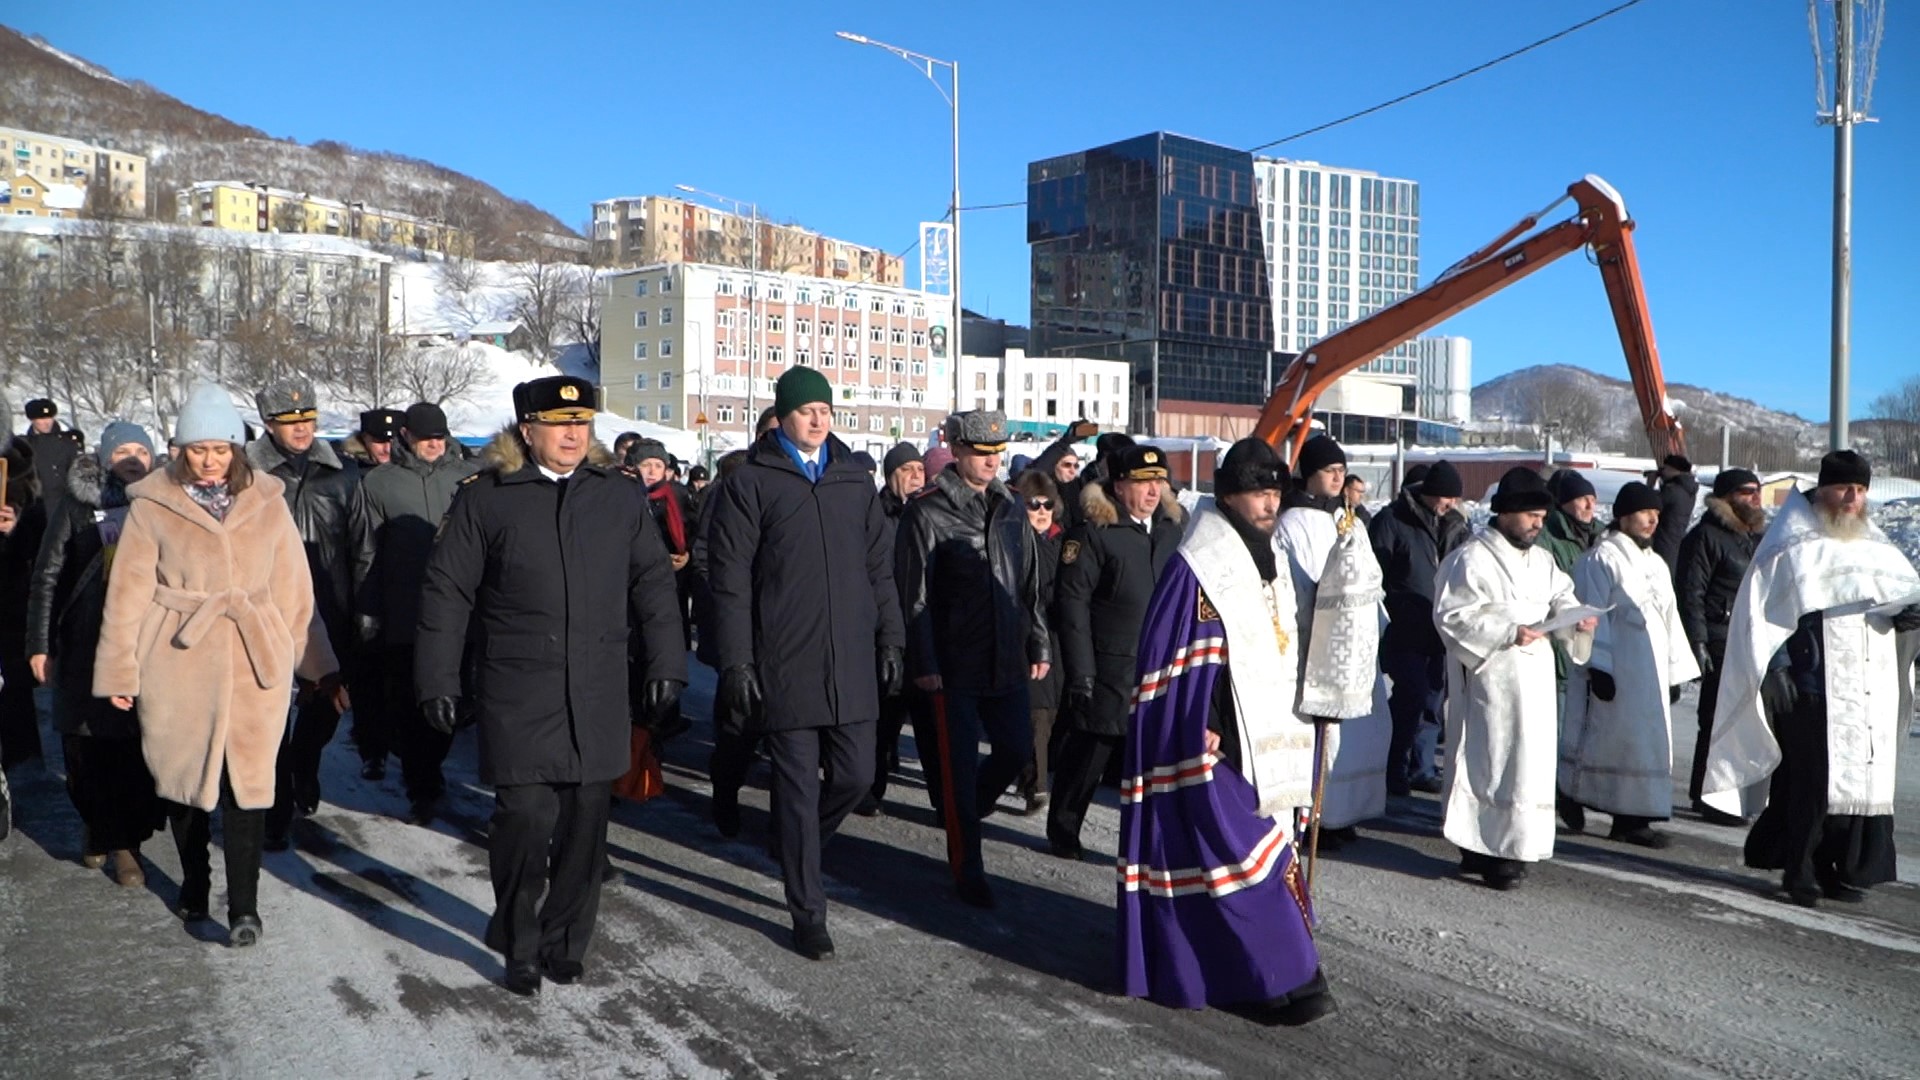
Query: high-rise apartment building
(647, 230)
(681, 340)
(1151, 251)
(1446, 379)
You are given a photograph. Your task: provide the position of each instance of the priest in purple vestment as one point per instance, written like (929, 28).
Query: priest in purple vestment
(1213, 902)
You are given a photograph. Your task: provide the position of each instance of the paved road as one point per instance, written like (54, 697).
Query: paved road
(1611, 961)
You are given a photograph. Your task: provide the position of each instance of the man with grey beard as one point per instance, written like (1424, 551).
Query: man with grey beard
(1809, 693)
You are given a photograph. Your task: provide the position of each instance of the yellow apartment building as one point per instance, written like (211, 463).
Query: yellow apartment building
(254, 207)
(50, 160)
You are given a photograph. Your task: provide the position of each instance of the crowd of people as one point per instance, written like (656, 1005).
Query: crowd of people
(1258, 671)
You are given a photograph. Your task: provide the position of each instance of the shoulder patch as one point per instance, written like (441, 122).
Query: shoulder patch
(1207, 611)
(468, 479)
(1069, 551)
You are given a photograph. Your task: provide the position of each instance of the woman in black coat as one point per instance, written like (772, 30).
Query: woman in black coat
(1041, 498)
(107, 777)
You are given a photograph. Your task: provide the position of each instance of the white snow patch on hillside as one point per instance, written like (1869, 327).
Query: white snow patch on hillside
(77, 62)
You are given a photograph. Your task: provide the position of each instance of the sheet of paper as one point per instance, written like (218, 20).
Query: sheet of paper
(1569, 617)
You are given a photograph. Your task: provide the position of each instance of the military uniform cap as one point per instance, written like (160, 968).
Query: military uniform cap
(1141, 463)
(382, 424)
(289, 400)
(42, 409)
(983, 429)
(556, 399)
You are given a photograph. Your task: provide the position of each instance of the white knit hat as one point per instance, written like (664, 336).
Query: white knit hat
(208, 416)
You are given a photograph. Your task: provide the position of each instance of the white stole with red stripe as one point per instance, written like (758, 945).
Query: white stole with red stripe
(1276, 748)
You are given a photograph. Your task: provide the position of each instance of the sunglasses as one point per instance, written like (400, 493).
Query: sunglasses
(1039, 502)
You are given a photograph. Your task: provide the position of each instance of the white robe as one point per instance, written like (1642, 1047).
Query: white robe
(1617, 756)
(1502, 699)
(1357, 782)
(1858, 584)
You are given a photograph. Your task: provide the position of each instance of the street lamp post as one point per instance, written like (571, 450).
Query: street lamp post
(754, 368)
(925, 65)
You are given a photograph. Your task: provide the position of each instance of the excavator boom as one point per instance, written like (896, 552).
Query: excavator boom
(1601, 223)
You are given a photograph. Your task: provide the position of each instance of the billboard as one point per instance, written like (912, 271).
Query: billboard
(936, 257)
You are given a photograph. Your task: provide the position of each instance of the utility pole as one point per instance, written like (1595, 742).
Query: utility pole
(1842, 221)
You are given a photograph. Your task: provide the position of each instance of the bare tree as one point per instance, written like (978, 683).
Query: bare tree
(1570, 408)
(580, 315)
(1900, 403)
(438, 373)
(541, 290)
(290, 217)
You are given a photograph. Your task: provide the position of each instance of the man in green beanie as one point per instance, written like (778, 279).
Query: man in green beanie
(807, 631)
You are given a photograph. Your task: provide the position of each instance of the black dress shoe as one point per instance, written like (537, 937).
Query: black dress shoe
(1806, 898)
(1713, 816)
(1640, 836)
(726, 814)
(523, 977)
(563, 972)
(1571, 813)
(1503, 874)
(1431, 785)
(277, 840)
(1335, 839)
(244, 930)
(869, 807)
(422, 812)
(1067, 849)
(1833, 888)
(306, 794)
(813, 942)
(975, 892)
(608, 875)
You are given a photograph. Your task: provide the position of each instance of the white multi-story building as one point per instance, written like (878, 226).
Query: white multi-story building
(1341, 244)
(685, 342)
(1446, 379)
(1043, 394)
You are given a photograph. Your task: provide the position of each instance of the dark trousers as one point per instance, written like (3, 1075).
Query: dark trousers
(297, 768)
(373, 717)
(242, 835)
(732, 755)
(108, 781)
(914, 707)
(546, 839)
(1415, 702)
(19, 718)
(1076, 776)
(969, 786)
(806, 813)
(1033, 778)
(421, 749)
(1795, 834)
(1709, 702)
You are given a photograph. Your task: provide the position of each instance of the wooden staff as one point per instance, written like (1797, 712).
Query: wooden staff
(1321, 767)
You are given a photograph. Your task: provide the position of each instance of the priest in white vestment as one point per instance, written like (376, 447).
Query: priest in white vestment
(1502, 716)
(1616, 744)
(1809, 694)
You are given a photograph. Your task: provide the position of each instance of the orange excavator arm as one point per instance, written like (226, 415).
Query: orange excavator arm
(1601, 224)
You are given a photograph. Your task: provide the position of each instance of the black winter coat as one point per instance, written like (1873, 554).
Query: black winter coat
(1046, 693)
(19, 549)
(54, 453)
(1409, 541)
(531, 570)
(404, 502)
(1108, 567)
(67, 595)
(801, 584)
(326, 506)
(969, 573)
(1678, 495)
(1713, 559)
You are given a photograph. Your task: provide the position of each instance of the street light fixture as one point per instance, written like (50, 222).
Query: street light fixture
(925, 65)
(753, 294)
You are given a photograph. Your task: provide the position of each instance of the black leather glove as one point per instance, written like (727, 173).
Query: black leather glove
(660, 705)
(893, 670)
(1080, 696)
(367, 628)
(1673, 695)
(1602, 685)
(1703, 658)
(441, 713)
(740, 692)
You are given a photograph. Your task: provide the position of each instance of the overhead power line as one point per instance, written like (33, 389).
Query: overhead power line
(1408, 96)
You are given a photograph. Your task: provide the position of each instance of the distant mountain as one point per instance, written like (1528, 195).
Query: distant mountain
(47, 90)
(1603, 414)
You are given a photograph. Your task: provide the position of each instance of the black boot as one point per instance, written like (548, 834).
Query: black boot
(1572, 813)
(243, 930)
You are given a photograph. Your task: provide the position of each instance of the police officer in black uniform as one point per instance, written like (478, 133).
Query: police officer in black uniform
(1131, 526)
(53, 447)
(372, 445)
(323, 492)
(529, 557)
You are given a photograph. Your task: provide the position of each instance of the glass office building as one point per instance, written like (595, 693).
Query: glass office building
(1152, 251)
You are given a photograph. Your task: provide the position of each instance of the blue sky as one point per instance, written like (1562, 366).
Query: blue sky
(1699, 111)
